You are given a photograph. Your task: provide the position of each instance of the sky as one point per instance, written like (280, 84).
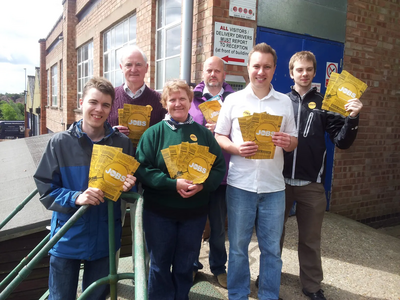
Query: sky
(22, 24)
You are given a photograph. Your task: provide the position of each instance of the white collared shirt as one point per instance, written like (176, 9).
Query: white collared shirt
(134, 95)
(206, 91)
(255, 175)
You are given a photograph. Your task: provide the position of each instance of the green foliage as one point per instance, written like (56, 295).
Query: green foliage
(21, 108)
(11, 112)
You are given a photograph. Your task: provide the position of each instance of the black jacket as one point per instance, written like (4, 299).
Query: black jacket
(307, 161)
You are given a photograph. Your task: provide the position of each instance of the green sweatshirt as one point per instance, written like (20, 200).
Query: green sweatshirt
(160, 194)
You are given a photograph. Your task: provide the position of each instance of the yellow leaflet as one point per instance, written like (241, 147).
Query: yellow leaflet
(343, 88)
(137, 119)
(171, 167)
(109, 168)
(210, 110)
(188, 161)
(260, 128)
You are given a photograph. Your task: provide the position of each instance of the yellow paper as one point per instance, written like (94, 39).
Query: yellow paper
(259, 128)
(188, 161)
(342, 88)
(137, 119)
(109, 168)
(210, 110)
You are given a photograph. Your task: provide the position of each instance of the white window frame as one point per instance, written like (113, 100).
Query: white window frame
(114, 40)
(61, 84)
(161, 45)
(48, 87)
(54, 84)
(84, 68)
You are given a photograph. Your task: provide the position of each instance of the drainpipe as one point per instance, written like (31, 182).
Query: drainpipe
(187, 31)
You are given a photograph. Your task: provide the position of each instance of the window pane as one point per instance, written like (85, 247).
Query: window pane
(118, 79)
(160, 44)
(112, 61)
(125, 32)
(85, 69)
(85, 51)
(160, 16)
(90, 72)
(118, 54)
(172, 68)
(90, 50)
(119, 31)
(159, 75)
(173, 41)
(173, 11)
(132, 28)
(106, 63)
(107, 41)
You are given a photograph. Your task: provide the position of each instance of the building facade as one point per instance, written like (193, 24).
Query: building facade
(88, 38)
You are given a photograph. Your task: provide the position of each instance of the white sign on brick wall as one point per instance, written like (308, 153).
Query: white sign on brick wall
(233, 43)
(245, 9)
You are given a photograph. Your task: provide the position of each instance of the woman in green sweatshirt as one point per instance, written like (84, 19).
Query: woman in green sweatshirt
(175, 210)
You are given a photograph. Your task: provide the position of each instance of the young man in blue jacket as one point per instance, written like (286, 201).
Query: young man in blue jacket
(62, 180)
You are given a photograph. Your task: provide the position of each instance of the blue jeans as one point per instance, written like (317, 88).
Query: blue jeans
(171, 243)
(216, 215)
(244, 208)
(64, 276)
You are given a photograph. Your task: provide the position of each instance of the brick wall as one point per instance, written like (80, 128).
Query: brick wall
(366, 184)
(205, 14)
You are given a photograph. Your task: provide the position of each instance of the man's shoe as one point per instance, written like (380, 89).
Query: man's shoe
(258, 278)
(223, 280)
(318, 295)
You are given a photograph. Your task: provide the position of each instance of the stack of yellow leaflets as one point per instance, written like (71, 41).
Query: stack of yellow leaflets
(211, 108)
(136, 118)
(340, 89)
(260, 128)
(109, 168)
(188, 161)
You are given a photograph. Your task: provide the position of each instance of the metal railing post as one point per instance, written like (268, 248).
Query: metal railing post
(140, 268)
(23, 274)
(18, 208)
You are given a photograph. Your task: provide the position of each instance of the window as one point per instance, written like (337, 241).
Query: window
(54, 82)
(61, 84)
(48, 87)
(85, 67)
(115, 39)
(168, 41)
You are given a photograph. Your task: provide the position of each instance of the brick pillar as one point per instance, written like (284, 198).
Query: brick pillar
(145, 35)
(69, 61)
(43, 87)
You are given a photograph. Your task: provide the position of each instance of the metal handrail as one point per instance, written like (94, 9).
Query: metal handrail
(23, 274)
(23, 262)
(18, 208)
(25, 267)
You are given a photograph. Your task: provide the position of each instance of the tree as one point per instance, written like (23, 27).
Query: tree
(11, 112)
(21, 108)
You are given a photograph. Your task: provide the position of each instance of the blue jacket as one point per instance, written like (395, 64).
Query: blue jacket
(62, 175)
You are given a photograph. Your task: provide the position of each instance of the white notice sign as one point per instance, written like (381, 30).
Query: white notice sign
(245, 9)
(233, 43)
